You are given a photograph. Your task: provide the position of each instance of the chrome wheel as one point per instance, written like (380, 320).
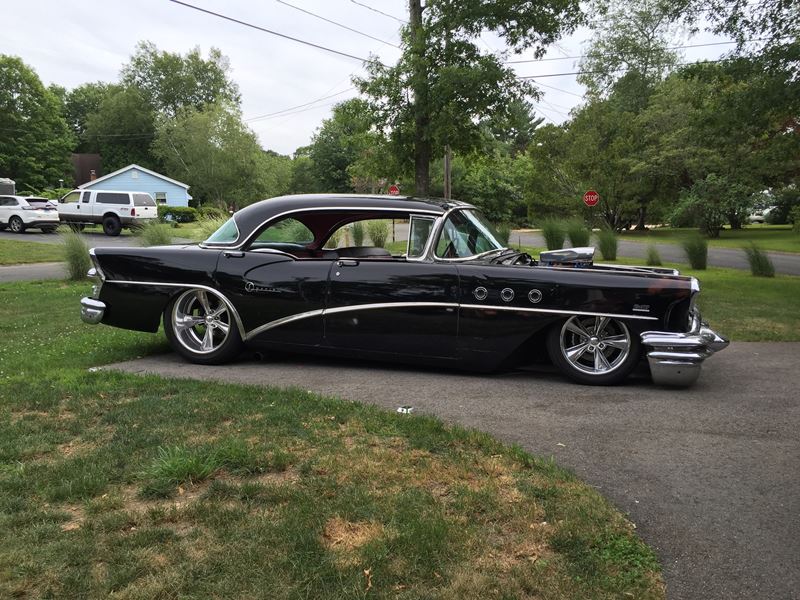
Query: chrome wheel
(201, 321)
(595, 345)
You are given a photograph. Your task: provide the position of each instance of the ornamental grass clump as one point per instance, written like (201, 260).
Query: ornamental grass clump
(153, 233)
(378, 231)
(696, 249)
(760, 264)
(76, 255)
(653, 257)
(554, 233)
(503, 231)
(358, 233)
(208, 226)
(579, 235)
(607, 243)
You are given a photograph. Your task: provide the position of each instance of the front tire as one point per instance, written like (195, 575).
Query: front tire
(112, 225)
(200, 326)
(16, 225)
(593, 350)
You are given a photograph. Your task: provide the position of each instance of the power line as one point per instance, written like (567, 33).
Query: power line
(291, 108)
(380, 12)
(532, 60)
(282, 35)
(602, 72)
(308, 12)
(559, 90)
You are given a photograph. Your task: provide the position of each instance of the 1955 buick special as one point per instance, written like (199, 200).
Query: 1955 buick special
(276, 277)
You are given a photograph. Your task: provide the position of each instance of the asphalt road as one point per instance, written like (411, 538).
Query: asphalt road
(708, 474)
(734, 258)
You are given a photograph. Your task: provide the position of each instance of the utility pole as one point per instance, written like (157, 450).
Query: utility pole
(419, 86)
(448, 185)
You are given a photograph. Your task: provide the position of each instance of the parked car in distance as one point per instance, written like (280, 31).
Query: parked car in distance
(113, 210)
(759, 215)
(19, 213)
(276, 277)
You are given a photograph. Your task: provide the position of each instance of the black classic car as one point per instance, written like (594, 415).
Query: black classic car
(280, 275)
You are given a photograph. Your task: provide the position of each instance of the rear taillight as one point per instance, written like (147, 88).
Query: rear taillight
(133, 212)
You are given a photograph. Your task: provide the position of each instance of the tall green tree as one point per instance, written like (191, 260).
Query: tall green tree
(79, 104)
(443, 87)
(36, 140)
(217, 155)
(171, 81)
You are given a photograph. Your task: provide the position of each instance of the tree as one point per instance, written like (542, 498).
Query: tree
(215, 153)
(443, 87)
(36, 139)
(79, 104)
(122, 129)
(170, 81)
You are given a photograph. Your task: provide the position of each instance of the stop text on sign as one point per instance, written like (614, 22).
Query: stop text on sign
(590, 198)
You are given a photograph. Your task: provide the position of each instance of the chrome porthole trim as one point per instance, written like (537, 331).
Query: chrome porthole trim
(535, 296)
(595, 345)
(480, 293)
(507, 294)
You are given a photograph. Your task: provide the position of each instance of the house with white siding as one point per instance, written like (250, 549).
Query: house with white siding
(134, 178)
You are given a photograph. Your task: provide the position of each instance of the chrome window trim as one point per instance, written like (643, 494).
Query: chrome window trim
(424, 256)
(315, 209)
(215, 291)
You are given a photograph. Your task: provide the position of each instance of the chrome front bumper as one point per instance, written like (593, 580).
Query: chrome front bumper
(92, 310)
(676, 358)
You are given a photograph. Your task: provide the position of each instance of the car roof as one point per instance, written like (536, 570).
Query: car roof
(255, 214)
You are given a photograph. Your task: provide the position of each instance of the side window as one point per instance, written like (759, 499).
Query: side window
(8, 202)
(378, 233)
(86, 196)
(285, 231)
(72, 197)
(112, 198)
(420, 231)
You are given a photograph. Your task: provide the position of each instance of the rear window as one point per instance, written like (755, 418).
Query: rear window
(112, 198)
(38, 202)
(143, 200)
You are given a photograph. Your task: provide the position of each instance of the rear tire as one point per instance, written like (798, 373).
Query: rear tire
(593, 350)
(16, 225)
(201, 327)
(112, 225)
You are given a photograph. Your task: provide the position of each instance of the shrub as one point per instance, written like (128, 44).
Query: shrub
(503, 231)
(579, 234)
(760, 264)
(794, 217)
(76, 254)
(358, 233)
(653, 257)
(696, 248)
(607, 243)
(179, 214)
(153, 233)
(212, 212)
(554, 234)
(378, 231)
(209, 226)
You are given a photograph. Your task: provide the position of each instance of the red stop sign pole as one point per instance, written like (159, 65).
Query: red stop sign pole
(590, 198)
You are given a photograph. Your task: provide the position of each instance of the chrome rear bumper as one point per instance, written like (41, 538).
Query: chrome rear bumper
(92, 310)
(676, 358)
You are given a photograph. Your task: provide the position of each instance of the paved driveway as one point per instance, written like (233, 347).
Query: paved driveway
(710, 475)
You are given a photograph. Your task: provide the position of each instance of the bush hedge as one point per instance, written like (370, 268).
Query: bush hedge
(179, 214)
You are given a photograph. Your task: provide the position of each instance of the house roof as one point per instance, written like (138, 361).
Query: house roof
(89, 184)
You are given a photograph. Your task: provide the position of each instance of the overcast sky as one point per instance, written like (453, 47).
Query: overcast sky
(70, 42)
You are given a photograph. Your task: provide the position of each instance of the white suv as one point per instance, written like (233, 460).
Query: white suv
(19, 213)
(112, 210)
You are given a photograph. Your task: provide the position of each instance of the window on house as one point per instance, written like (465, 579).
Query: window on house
(161, 197)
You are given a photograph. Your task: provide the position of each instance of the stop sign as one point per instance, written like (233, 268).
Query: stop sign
(394, 190)
(590, 198)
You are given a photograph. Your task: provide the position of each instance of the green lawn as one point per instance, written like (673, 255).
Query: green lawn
(142, 487)
(13, 252)
(779, 238)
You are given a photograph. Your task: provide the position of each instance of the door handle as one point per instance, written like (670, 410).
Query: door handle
(347, 262)
(233, 254)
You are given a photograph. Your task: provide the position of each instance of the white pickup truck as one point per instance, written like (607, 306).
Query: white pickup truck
(112, 210)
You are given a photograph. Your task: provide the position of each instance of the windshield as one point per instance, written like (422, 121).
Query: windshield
(466, 233)
(227, 234)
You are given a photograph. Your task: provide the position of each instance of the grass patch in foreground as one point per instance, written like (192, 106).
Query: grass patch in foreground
(17, 252)
(144, 487)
